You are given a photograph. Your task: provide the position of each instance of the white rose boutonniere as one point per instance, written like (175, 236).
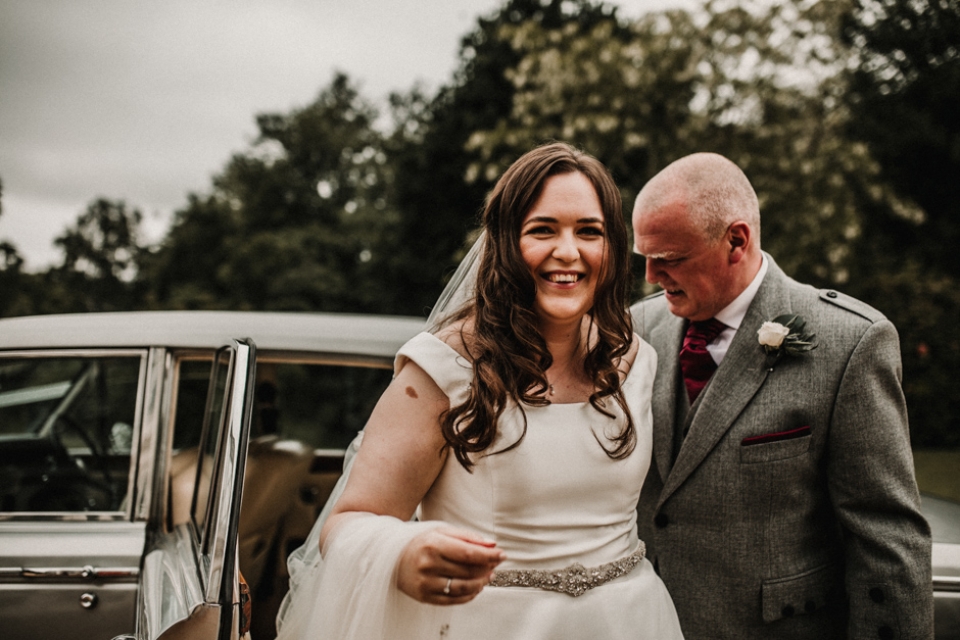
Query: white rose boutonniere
(772, 335)
(785, 335)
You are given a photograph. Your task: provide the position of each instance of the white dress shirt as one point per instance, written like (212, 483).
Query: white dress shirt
(732, 315)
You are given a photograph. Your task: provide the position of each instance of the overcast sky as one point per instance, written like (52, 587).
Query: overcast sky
(145, 101)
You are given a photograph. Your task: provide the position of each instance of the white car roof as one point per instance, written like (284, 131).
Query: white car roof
(315, 332)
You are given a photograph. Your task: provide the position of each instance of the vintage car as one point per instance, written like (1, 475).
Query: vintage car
(128, 439)
(944, 518)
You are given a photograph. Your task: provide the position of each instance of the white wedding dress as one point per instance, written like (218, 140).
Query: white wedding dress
(560, 508)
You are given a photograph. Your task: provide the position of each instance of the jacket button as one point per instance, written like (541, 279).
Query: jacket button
(885, 633)
(661, 520)
(831, 294)
(809, 606)
(876, 594)
(787, 611)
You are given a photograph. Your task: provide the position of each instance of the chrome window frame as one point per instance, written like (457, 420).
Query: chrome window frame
(151, 435)
(126, 514)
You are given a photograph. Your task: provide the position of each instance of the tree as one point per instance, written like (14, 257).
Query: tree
(758, 83)
(429, 148)
(301, 221)
(101, 258)
(905, 101)
(905, 97)
(16, 285)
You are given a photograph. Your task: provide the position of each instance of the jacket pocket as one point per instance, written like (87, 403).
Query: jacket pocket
(774, 450)
(765, 438)
(800, 594)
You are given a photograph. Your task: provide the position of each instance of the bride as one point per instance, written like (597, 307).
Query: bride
(518, 431)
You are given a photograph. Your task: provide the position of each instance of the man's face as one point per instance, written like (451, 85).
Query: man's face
(695, 272)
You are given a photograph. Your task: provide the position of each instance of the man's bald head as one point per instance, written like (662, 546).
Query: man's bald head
(713, 190)
(697, 223)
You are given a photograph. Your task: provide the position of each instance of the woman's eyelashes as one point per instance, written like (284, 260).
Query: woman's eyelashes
(545, 230)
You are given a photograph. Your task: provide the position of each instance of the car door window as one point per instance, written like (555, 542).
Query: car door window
(67, 425)
(322, 405)
(307, 409)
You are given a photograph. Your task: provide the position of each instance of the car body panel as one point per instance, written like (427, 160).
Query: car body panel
(303, 332)
(944, 518)
(172, 583)
(47, 567)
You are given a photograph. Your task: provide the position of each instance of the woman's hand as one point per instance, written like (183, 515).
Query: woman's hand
(447, 566)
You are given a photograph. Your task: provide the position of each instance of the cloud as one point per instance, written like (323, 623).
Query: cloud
(145, 101)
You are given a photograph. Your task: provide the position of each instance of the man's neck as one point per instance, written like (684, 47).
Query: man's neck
(732, 314)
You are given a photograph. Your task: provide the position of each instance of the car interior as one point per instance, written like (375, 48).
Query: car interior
(305, 413)
(66, 432)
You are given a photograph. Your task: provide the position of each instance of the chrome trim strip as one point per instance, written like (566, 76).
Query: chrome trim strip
(142, 473)
(946, 583)
(99, 352)
(56, 516)
(327, 358)
(86, 573)
(166, 413)
(135, 444)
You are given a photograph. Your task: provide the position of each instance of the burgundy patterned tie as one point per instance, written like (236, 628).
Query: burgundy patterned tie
(695, 362)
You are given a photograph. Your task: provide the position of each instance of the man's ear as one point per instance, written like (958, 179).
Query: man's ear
(738, 237)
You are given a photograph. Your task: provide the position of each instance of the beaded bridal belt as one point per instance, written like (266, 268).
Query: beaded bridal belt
(574, 580)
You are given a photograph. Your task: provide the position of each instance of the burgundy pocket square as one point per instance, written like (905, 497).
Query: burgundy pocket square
(799, 432)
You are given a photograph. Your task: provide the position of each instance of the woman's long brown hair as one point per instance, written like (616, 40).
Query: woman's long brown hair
(510, 357)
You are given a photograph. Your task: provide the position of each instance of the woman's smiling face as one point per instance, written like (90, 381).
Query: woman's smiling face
(563, 243)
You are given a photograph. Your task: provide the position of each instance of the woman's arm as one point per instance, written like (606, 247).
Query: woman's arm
(401, 456)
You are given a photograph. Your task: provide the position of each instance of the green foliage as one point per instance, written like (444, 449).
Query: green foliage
(430, 150)
(15, 284)
(904, 97)
(299, 222)
(755, 82)
(905, 94)
(101, 257)
(622, 93)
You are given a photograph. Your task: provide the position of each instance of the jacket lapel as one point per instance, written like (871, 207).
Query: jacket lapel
(736, 381)
(666, 338)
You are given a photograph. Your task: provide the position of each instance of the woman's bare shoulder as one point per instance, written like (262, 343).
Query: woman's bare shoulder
(458, 336)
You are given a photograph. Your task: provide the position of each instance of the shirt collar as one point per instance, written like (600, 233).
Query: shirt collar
(732, 315)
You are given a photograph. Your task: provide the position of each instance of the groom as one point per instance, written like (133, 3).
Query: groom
(781, 501)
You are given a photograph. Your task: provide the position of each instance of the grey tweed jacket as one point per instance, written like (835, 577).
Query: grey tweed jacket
(783, 504)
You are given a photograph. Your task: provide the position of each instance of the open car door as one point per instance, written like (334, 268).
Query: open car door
(190, 582)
